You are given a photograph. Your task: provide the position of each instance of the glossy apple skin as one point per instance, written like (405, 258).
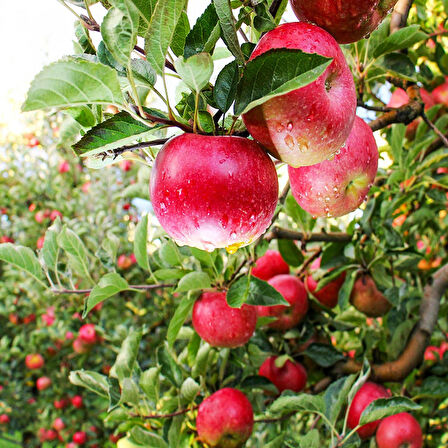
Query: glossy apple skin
(225, 419)
(87, 334)
(339, 186)
(347, 21)
(328, 295)
(366, 297)
(213, 192)
(307, 125)
(292, 376)
(270, 265)
(399, 430)
(219, 324)
(365, 395)
(294, 292)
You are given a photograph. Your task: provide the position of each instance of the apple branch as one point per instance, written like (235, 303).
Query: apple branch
(442, 140)
(400, 15)
(117, 151)
(412, 355)
(286, 234)
(88, 291)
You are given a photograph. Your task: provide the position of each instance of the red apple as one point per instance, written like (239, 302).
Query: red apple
(40, 242)
(126, 206)
(399, 431)
(4, 419)
(69, 335)
(58, 424)
(365, 395)
(60, 404)
(34, 361)
(64, 167)
(54, 214)
(77, 401)
(270, 265)
(14, 318)
(291, 376)
(440, 93)
(307, 125)
(328, 295)
(126, 165)
(87, 334)
(124, 262)
(347, 21)
(80, 437)
(294, 292)
(225, 419)
(219, 324)
(431, 353)
(213, 192)
(39, 216)
(30, 318)
(366, 297)
(337, 187)
(43, 383)
(6, 239)
(80, 347)
(51, 434)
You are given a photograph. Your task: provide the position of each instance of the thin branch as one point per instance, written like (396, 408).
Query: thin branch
(375, 108)
(400, 15)
(160, 416)
(117, 151)
(309, 261)
(412, 355)
(442, 138)
(404, 114)
(286, 234)
(87, 291)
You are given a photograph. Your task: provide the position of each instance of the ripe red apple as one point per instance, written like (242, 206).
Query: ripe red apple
(366, 297)
(219, 324)
(54, 214)
(14, 318)
(80, 347)
(6, 239)
(39, 216)
(440, 93)
(337, 187)
(431, 353)
(30, 318)
(124, 262)
(347, 21)
(399, 431)
(58, 424)
(213, 192)
(307, 125)
(4, 419)
(225, 419)
(328, 295)
(60, 404)
(126, 206)
(43, 383)
(40, 242)
(34, 361)
(77, 401)
(51, 434)
(291, 376)
(294, 292)
(269, 265)
(64, 167)
(365, 395)
(87, 334)
(80, 437)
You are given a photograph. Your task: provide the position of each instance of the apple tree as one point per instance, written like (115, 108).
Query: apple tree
(293, 257)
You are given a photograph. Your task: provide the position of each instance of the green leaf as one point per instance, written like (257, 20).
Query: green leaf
(75, 250)
(204, 34)
(83, 115)
(399, 64)
(145, 8)
(346, 290)
(180, 34)
(50, 247)
(144, 74)
(263, 21)
(253, 291)
(324, 355)
(73, 82)
(146, 438)
(92, 381)
(310, 440)
(119, 29)
(129, 392)
(384, 407)
(205, 122)
(169, 367)
(149, 382)
(396, 142)
(195, 71)
(336, 396)
(228, 29)
(127, 357)
(161, 31)
(189, 390)
(182, 311)
(275, 73)
(225, 87)
(290, 252)
(83, 39)
(140, 243)
(194, 281)
(109, 285)
(362, 378)
(22, 258)
(434, 387)
(301, 402)
(403, 38)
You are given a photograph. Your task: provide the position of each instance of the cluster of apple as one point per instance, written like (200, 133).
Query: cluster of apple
(221, 191)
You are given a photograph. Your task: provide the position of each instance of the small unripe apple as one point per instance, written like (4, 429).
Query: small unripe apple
(219, 324)
(308, 125)
(58, 424)
(64, 167)
(347, 21)
(4, 419)
(77, 401)
(328, 295)
(294, 292)
(291, 376)
(399, 431)
(213, 192)
(80, 437)
(43, 383)
(87, 334)
(225, 419)
(365, 395)
(269, 265)
(338, 186)
(34, 361)
(366, 297)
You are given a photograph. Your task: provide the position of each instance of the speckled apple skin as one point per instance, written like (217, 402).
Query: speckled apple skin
(294, 292)
(291, 376)
(219, 324)
(269, 265)
(365, 395)
(225, 419)
(399, 430)
(347, 20)
(212, 192)
(338, 186)
(307, 125)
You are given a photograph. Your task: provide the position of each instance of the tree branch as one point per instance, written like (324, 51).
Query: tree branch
(117, 151)
(400, 15)
(442, 140)
(87, 291)
(286, 234)
(412, 355)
